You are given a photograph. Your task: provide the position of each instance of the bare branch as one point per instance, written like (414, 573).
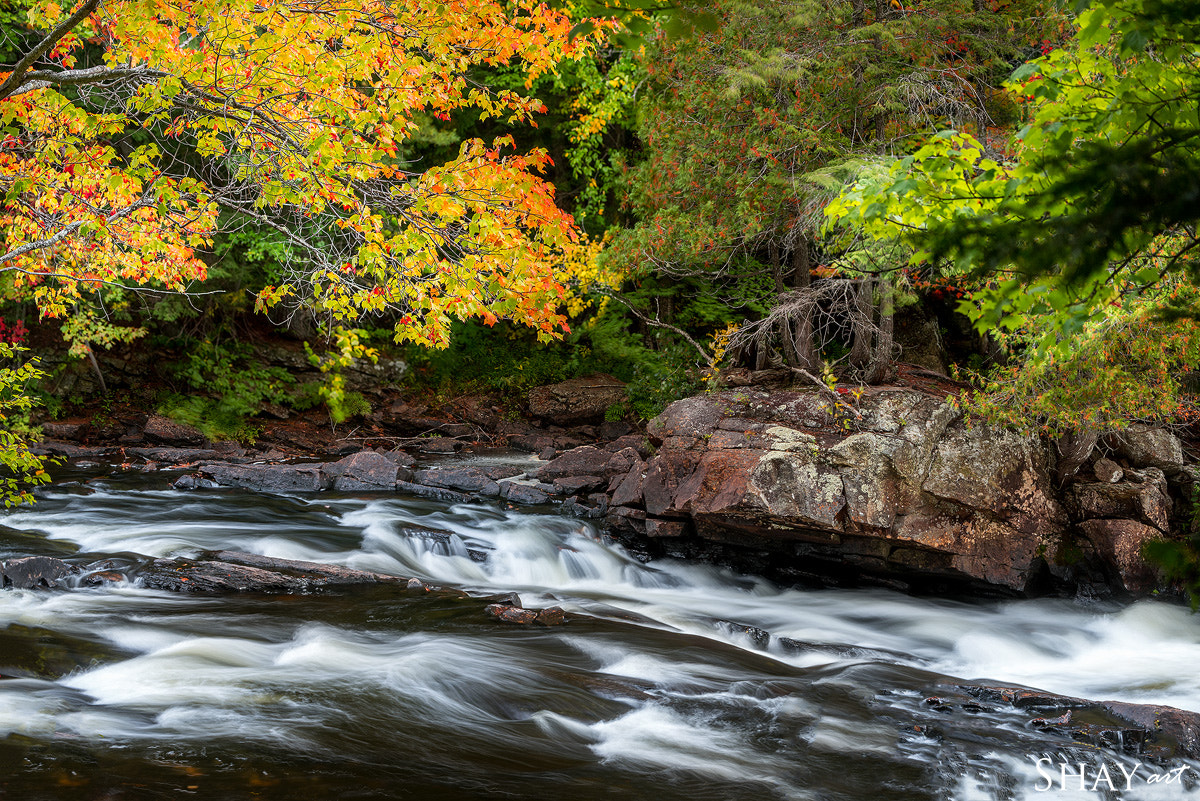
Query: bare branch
(43, 78)
(660, 324)
(828, 391)
(18, 77)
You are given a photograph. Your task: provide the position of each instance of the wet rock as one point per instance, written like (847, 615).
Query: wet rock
(365, 470)
(551, 616)
(172, 455)
(102, 577)
(268, 477)
(574, 485)
(667, 528)
(599, 502)
(234, 571)
(503, 599)
(1119, 543)
(436, 493)
(34, 571)
(441, 445)
(511, 614)
(466, 479)
(1173, 729)
(415, 584)
(167, 432)
(579, 400)
(523, 493)
(194, 481)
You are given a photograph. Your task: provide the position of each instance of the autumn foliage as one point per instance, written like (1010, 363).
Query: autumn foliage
(134, 131)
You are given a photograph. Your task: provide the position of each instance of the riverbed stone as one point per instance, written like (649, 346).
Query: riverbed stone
(34, 571)
(585, 460)
(365, 470)
(434, 493)
(516, 492)
(268, 477)
(233, 571)
(465, 479)
(511, 614)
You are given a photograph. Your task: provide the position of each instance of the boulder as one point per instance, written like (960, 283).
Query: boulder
(523, 493)
(71, 431)
(466, 479)
(900, 490)
(578, 400)
(439, 445)
(165, 431)
(268, 477)
(234, 571)
(363, 471)
(34, 571)
(585, 460)
(435, 493)
(1119, 544)
(575, 485)
(628, 489)
(1108, 471)
(1146, 446)
(1148, 501)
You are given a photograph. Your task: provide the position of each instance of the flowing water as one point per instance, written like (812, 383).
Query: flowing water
(672, 681)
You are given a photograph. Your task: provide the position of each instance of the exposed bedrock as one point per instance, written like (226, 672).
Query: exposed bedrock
(899, 489)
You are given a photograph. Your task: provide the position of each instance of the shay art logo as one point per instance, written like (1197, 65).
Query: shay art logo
(1057, 775)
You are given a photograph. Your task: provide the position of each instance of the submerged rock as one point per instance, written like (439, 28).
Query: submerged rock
(234, 571)
(551, 616)
(34, 571)
(1134, 727)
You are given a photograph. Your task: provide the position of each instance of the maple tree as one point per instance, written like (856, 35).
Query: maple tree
(130, 132)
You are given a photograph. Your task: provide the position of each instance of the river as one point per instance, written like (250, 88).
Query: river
(672, 681)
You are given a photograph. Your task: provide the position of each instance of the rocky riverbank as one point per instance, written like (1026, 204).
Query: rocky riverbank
(892, 488)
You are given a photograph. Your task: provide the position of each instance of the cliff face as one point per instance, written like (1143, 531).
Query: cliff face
(898, 487)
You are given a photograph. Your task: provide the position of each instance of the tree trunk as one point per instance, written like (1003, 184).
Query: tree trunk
(802, 333)
(881, 360)
(864, 312)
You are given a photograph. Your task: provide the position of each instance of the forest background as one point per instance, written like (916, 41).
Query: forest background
(502, 194)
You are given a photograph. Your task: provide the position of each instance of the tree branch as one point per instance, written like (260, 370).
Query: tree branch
(660, 324)
(17, 78)
(99, 74)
